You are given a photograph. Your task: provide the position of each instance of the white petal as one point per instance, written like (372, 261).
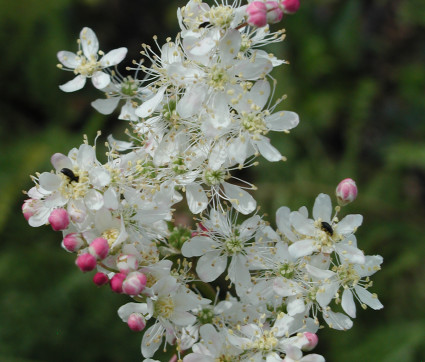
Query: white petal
(302, 248)
(93, 200)
(89, 42)
(113, 57)
(198, 245)
(49, 181)
(110, 199)
(182, 318)
(302, 224)
(196, 198)
(149, 106)
(86, 157)
(152, 339)
(119, 145)
(99, 177)
(238, 272)
(350, 253)
(283, 224)
(60, 161)
(248, 69)
(240, 199)
(69, 59)
(282, 121)
(267, 150)
(337, 321)
(229, 46)
(105, 106)
(127, 309)
(347, 303)
(128, 112)
(285, 287)
(100, 80)
(319, 273)
(210, 266)
(326, 293)
(368, 298)
(40, 217)
(370, 267)
(217, 155)
(295, 305)
(73, 85)
(349, 224)
(259, 94)
(322, 208)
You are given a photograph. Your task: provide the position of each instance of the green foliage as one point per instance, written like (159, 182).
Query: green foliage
(356, 78)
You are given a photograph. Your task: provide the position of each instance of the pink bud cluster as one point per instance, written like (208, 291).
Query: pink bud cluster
(270, 12)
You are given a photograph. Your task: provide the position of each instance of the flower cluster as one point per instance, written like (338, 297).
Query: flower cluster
(202, 111)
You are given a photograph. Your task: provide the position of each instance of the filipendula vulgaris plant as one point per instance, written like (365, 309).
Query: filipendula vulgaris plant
(201, 110)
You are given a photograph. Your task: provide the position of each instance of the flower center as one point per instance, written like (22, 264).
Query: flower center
(71, 189)
(220, 16)
(87, 67)
(254, 123)
(266, 342)
(287, 270)
(129, 87)
(233, 245)
(347, 275)
(164, 307)
(218, 77)
(205, 316)
(111, 235)
(213, 177)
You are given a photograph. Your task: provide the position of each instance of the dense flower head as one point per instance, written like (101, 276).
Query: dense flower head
(200, 110)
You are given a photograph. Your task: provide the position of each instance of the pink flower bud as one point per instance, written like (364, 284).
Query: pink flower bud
(136, 322)
(290, 6)
(116, 282)
(257, 14)
(86, 262)
(99, 248)
(59, 219)
(73, 242)
(312, 341)
(127, 263)
(27, 208)
(100, 279)
(134, 283)
(274, 12)
(346, 191)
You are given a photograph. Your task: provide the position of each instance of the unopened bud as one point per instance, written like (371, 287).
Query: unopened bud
(100, 279)
(136, 322)
(134, 283)
(312, 341)
(257, 14)
(346, 191)
(86, 262)
(73, 242)
(99, 248)
(290, 6)
(274, 12)
(116, 282)
(27, 208)
(59, 219)
(127, 263)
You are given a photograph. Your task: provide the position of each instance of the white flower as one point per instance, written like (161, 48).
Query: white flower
(86, 63)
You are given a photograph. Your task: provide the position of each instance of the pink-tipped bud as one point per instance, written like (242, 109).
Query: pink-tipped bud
(312, 341)
(257, 14)
(290, 6)
(59, 219)
(134, 283)
(127, 263)
(346, 191)
(100, 279)
(116, 282)
(86, 262)
(73, 242)
(274, 12)
(28, 209)
(99, 248)
(136, 322)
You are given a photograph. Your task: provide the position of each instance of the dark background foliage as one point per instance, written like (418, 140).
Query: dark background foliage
(357, 79)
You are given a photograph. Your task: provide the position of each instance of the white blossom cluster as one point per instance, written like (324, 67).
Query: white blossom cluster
(201, 111)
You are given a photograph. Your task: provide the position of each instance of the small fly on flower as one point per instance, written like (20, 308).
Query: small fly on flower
(71, 175)
(327, 228)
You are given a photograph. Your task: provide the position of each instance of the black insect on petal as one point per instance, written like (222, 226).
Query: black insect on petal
(327, 228)
(67, 172)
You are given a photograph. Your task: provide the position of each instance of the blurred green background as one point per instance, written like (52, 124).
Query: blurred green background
(357, 79)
